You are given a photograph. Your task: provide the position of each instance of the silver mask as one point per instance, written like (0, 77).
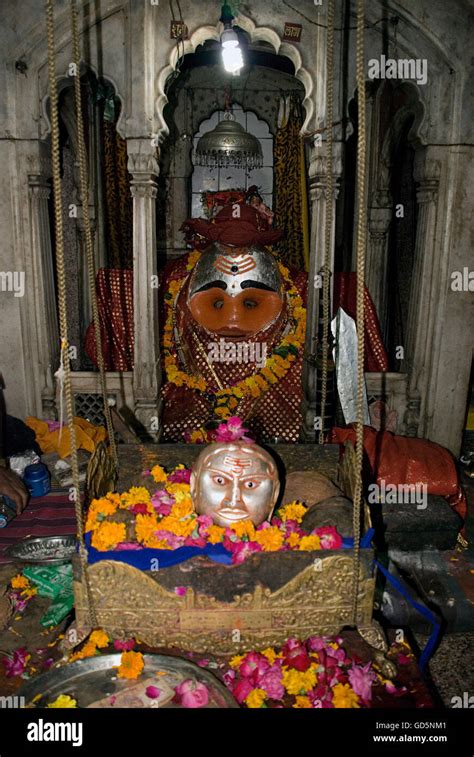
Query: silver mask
(234, 266)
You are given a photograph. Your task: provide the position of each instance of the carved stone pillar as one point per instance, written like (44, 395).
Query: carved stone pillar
(42, 305)
(143, 165)
(377, 259)
(423, 307)
(317, 184)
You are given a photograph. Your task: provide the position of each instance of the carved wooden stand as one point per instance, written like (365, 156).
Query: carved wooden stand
(230, 609)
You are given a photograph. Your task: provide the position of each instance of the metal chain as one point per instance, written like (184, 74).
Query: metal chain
(361, 243)
(89, 244)
(328, 216)
(62, 298)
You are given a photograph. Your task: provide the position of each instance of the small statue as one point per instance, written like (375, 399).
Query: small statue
(233, 482)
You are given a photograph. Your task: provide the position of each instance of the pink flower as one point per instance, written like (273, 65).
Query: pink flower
(139, 509)
(180, 476)
(271, 682)
(195, 541)
(403, 659)
(203, 663)
(254, 664)
(162, 502)
(338, 654)
(172, 540)
(124, 646)
(48, 662)
(229, 678)
(242, 549)
(329, 536)
(130, 545)
(295, 655)
(315, 643)
(242, 689)
(361, 679)
(204, 522)
(192, 694)
(232, 431)
(15, 666)
(153, 692)
(180, 590)
(292, 527)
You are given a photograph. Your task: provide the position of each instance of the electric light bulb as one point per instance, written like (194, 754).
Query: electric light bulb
(231, 52)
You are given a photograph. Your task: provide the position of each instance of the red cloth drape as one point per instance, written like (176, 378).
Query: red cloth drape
(405, 460)
(114, 289)
(345, 285)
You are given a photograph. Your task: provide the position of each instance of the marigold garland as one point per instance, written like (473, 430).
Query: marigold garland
(167, 520)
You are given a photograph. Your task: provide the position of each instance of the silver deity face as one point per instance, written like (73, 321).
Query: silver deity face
(233, 482)
(234, 269)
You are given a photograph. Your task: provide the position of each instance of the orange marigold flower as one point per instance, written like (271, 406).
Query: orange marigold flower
(344, 696)
(310, 542)
(293, 540)
(292, 511)
(244, 528)
(296, 681)
(88, 650)
(270, 539)
(145, 526)
(182, 509)
(99, 638)
(107, 535)
(159, 474)
(131, 665)
(270, 654)
(303, 702)
(180, 492)
(256, 698)
(215, 534)
(20, 582)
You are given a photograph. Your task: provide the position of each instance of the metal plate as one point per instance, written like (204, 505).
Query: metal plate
(95, 678)
(43, 550)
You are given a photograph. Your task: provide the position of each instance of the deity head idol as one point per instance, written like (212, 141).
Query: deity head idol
(233, 482)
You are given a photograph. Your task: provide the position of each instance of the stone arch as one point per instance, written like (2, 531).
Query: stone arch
(256, 34)
(414, 108)
(65, 81)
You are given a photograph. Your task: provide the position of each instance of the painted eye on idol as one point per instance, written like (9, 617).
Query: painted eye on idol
(250, 304)
(251, 484)
(218, 304)
(219, 480)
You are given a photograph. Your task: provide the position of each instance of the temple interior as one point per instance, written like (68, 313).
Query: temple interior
(236, 362)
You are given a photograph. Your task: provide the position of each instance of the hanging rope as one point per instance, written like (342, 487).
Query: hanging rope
(361, 243)
(328, 216)
(89, 244)
(62, 300)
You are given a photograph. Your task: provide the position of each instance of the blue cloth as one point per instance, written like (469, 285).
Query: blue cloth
(428, 650)
(143, 558)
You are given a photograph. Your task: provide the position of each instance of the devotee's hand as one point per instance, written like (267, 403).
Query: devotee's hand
(12, 486)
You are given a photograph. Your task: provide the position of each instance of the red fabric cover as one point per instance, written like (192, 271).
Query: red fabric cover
(115, 302)
(405, 460)
(345, 286)
(248, 228)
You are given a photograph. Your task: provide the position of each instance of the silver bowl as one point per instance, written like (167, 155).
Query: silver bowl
(93, 682)
(43, 550)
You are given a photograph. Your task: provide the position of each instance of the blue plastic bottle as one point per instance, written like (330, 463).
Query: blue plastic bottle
(36, 478)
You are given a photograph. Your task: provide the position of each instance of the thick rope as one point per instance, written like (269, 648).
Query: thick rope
(361, 243)
(89, 244)
(328, 216)
(62, 297)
